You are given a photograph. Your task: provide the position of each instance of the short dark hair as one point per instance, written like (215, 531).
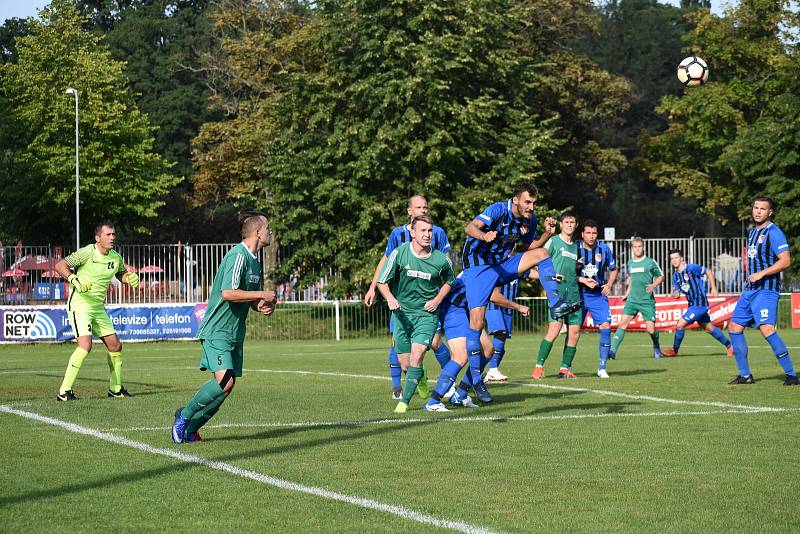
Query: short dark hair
(421, 218)
(567, 214)
(526, 187)
(99, 227)
(249, 221)
(764, 198)
(675, 251)
(589, 223)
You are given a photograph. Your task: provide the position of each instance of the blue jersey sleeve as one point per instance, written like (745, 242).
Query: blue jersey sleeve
(675, 276)
(394, 242)
(611, 260)
(777, 241)
(441, 241)
(697, 270)
(492, 213)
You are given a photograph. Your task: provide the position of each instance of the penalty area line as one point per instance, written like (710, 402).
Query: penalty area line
(397, 510)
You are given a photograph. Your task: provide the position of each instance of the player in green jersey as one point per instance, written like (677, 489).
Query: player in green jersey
(237, 288)
(644, 275)
(564, 251)
(414, 280)
(95, 265)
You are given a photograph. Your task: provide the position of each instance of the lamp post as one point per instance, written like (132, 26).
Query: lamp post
(74, 92)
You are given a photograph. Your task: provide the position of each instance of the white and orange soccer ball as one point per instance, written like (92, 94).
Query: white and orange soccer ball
(693, 71)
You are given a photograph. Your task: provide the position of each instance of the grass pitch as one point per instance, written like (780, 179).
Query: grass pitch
(308, 442)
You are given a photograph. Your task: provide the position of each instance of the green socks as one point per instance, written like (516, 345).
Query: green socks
(74, 365)
(205, 397)
(654, 338)
(569, 355)
(114, 371)
(544, 351)
(413, 375)
(617, 339)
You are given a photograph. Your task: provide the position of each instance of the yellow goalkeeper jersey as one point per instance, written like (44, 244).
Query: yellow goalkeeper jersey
(98, 269)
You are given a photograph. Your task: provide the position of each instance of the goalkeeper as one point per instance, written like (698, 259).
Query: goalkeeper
(95, 265)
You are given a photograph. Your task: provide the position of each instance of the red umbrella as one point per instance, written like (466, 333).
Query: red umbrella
(151, 269)
(51, 274)
(130, 268)
(36, 263)
(15, 272)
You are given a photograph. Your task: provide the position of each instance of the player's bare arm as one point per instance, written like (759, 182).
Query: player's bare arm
(712, 283)
(475, 230)
(783, 263)
(387, 294)
(433, 304)
(612, 277)
(656, 282)
(549, 231)
(241, 295)
(369, 297)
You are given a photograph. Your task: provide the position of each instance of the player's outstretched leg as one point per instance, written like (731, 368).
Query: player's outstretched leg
(676, 343)
(540, 259)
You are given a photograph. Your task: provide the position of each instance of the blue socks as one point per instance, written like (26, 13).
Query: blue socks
(679, 333)
(740, 353)
(547, 275)
(474, 354)
(394, 368)
(605, 346)
(468, 379)
(499, 352)
(442, 354)
(719, 335)
(446, 379)
(781, 353)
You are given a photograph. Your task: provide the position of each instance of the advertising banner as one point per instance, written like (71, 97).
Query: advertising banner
(795, 310)
(669, 311)
(152, 322)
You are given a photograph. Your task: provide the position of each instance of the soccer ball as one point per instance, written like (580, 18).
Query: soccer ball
(693, 71)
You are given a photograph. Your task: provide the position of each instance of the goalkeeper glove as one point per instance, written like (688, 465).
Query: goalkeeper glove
(80, 287)
(133, 280)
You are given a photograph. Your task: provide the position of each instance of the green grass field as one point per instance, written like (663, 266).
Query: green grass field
(308, 442)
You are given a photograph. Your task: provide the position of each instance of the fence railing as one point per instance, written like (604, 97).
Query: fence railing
(172, 273)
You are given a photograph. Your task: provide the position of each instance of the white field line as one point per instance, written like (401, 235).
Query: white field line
(446, 419)
(545, 386)
(400, 511)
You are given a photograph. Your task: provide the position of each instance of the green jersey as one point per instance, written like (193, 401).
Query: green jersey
(414, 280)
(225, 320)
(98, 269)
(565, 261)
(642, 273)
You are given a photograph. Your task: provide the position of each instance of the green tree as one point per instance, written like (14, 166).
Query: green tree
(122, 179)
(412, 97)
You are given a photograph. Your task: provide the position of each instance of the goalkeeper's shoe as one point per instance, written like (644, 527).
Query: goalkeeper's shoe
(179, 426)
(119, 394)
(565, 373)
(538, 372)
(68, 395)
(494, 375)
(465, 401)
(791, 380)
(401, 407)
(435, 407)
(192, 436)
(669, 353)
(481, 393)
(743, 380)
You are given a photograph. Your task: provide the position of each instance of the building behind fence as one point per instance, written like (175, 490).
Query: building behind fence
(180, 273)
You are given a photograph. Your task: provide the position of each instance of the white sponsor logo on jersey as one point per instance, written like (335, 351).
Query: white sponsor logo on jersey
(418, 274)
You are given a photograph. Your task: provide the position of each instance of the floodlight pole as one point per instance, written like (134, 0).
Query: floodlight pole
(74, 92)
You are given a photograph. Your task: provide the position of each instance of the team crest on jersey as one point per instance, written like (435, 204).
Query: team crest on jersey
(685, 288)
(523, 229)
(598, 257)
(761, 239)
(685, 276)
(590, 271)
(751, 251)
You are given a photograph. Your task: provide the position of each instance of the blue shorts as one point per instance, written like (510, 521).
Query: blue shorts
(481, 280)
(596, 305)
(756, 307)
(498, 321)
(697, 313)
(454, 320)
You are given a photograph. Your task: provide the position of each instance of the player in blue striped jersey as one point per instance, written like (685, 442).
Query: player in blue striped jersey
(687, 279)
(767, 257)
(417, 205)
(498, 324)
(595, 259)
(489, 261)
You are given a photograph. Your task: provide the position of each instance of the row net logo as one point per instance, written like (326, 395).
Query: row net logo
(28, 325)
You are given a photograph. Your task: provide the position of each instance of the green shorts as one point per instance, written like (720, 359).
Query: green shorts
(221, 354)
(646, 308)
(573, 319)
(409, 329)
(91, 322)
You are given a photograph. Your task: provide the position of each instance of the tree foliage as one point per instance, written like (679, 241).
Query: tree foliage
(122, 178)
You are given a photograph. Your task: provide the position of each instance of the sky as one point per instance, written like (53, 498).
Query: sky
(27, 8)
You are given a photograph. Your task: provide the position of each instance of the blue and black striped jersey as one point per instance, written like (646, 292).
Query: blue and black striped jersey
(498, 218)
(509, 291)
(690, 282)
(763, 247)
(402, 234)
(595, 263)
